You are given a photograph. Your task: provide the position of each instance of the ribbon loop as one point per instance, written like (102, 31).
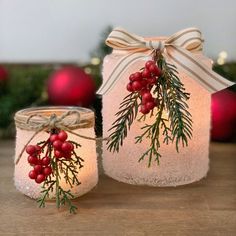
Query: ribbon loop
(179, 49)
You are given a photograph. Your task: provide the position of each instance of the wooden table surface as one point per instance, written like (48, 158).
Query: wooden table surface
(207, 207)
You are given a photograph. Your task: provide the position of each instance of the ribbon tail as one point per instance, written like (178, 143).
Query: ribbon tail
(204, 75)
(119, 69)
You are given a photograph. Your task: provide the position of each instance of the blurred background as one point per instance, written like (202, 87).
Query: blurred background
(51, 51)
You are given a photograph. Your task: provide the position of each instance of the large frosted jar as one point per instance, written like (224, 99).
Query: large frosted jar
(87, 175)
(189, 165)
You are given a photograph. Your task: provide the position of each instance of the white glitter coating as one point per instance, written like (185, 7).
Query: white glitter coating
(189, 165)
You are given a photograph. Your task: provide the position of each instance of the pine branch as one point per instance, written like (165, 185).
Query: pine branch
(172, 119)
(45, 193)
(70, 170)
(152, 132)
(126, 115)
(177, 107)
(66, 198)
(78, 160)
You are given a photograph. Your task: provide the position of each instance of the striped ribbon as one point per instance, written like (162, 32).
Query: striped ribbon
(179, 49)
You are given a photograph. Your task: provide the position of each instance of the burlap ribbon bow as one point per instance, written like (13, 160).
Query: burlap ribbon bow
(178, 49)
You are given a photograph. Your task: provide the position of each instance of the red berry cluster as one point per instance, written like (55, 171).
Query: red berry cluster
(143, 82)
(62, 148)
(42, 167)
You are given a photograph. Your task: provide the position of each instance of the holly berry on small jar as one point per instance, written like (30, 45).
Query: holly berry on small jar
(57, 148)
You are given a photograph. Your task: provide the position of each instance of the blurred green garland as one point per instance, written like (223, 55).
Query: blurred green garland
(227, 70)
(23, 88)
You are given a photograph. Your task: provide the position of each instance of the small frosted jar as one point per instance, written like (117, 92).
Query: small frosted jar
(189, 165)
(87, 175)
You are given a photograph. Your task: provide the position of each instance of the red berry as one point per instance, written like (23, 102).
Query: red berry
(146, 73)
(72, 146)
(57, 144)
(158, 72)
(47, 170)
(39, 161)
(32, 174)
(152, 80)
(149, 63)
(32, 160)
(58, 154)
(53, 138)
(62, 135)
(38, 169)
(147, 97)
(137, 85)
(144, 109)
(45, 161)
(38, 149)
(155, 70)
(67, 147)
(129, 87)
(150, 105)
(143, 91)
(144, 83)
(67, 155)
(137, 76)
(40, 178)
(131, 77)
(31, 150)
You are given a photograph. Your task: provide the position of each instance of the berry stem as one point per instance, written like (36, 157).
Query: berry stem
(48, 148)
(57, 186)
(45, 143)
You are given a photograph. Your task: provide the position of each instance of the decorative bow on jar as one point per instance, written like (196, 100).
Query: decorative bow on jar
(179, 49)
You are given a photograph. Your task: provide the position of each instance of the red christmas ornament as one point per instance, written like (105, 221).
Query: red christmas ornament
(71, 86)
(3, 74)
(223, 115)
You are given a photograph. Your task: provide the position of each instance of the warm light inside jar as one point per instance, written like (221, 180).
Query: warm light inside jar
(189, 165)
(87, 175)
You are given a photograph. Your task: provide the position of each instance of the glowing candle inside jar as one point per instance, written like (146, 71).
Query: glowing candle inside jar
(87, 175)
(189, 165)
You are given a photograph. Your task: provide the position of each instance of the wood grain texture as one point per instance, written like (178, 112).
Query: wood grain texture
(207, 207)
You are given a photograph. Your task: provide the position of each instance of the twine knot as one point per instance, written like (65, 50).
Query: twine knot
(53, 121)
(67, 120)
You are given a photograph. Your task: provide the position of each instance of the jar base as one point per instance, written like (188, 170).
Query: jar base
(156, 181)
(32, 192)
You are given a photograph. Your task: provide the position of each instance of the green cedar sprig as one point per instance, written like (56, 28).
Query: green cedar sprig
(126, 115)
(172, 118)
(61, 168)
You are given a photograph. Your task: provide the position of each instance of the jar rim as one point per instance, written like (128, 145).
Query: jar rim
(86, 115)
(54, 108)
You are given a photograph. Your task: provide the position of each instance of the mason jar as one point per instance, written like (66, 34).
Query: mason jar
(87, 175)
(189, 165)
